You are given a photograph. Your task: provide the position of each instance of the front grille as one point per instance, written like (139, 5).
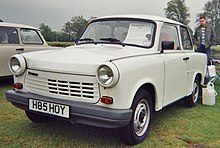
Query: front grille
(72, 87)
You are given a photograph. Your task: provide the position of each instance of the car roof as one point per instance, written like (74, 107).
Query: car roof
(141, 16)
(5, 24)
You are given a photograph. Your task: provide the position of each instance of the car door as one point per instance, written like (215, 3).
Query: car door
(9, 45)
(194, 60)
(175, 64)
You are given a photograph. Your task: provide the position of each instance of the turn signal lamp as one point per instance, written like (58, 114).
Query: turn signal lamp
(107, 100)
(18, 86)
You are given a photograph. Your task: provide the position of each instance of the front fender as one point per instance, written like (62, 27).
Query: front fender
(133, 75)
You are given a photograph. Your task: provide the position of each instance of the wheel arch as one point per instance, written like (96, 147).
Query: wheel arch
(152, 90)
(199, 77)
(190, 83)
(192, 99)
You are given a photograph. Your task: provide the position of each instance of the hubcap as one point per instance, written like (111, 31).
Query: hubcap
(141, 117)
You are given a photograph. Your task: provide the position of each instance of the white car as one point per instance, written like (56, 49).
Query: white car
(18, 38)
(121, 70)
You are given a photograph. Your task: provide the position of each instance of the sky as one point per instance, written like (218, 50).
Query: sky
(55, 13)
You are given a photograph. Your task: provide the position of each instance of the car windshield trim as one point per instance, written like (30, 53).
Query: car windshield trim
(132, 24)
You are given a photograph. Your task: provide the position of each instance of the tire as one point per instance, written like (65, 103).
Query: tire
(192, 100)
(137, 129)
(36, 118)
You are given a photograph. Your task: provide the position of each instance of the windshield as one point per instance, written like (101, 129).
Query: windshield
(124, 32)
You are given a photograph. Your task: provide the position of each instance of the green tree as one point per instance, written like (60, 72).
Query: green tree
(178, 11)
(61, 37)
(74, 27)
(46, 32)
(67, 28)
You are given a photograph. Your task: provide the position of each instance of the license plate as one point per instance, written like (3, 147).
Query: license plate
(49, 108)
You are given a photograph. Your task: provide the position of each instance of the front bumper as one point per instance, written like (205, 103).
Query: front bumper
(83, 113)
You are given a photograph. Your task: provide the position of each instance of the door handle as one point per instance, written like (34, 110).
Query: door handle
(19, 49)
(186, 59)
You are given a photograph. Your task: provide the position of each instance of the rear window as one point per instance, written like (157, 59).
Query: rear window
(185, 37)
(30, 36)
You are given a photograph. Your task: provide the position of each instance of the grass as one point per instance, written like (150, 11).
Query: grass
(216, 48)
(174, 126)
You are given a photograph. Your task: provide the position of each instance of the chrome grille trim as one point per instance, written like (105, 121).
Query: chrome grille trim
(65, 86)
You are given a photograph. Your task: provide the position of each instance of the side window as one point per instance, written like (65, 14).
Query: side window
(185, 38)
(8, 35)
(169, 33)
(29, 36)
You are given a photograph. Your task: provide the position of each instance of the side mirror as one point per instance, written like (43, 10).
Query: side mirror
(167, 45)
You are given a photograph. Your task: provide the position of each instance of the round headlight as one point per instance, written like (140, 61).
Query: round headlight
(107, 75)
(17, 64)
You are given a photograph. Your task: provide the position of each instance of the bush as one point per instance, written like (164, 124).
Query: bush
(60, 44)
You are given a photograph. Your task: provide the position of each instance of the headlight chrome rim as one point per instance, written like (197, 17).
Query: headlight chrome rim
(107, 74)
(17, 64)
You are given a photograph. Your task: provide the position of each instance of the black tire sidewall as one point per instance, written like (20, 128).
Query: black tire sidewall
(189, 100)
(128, 132)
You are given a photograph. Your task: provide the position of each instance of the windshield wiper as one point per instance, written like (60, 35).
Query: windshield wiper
(87, 39)
(112, 40)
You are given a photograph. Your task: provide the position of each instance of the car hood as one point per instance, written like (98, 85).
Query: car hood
(80, 59)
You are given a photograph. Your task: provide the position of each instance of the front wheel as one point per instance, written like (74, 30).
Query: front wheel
(192, 100)
(138, 128)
